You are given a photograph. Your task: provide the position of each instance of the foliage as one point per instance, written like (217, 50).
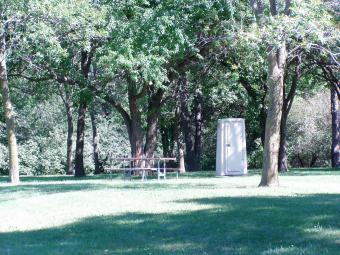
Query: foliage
(218, 44)
(309, 129)
(42, 137)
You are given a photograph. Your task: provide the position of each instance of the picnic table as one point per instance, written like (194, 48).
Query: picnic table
(143, 165)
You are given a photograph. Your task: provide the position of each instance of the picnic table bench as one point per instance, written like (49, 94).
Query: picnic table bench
(143, 165)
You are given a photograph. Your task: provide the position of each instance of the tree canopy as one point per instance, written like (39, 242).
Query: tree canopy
(152, 77)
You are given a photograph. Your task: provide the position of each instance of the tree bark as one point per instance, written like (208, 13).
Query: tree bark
(198, 129)
(258, 8)
(69, 140)
(165, 141)
(313, 160)
(283, 157)
(287, 7)
(335, 129)
(95, 143)
(9, 117)
(133, 120)
(262, 121)
(153, 112)
(79, 157)
(135, 132)
(276, 68)
(179, 140)
(86, 61)
(273, 7)
(180, 148)
(185, 124)
(69, 144)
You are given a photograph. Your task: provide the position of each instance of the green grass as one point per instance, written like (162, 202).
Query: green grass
(197, 214)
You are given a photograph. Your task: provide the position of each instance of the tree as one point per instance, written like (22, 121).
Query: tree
(170, 69)
(283, 38)
(12, 16)
(335, 129)
(98, 168)
(192, 144)
(277, 57)
(66, 96)
(9, 115)
(329, 71)
(62, 48)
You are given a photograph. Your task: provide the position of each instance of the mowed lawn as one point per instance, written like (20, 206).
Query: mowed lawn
(196, 214)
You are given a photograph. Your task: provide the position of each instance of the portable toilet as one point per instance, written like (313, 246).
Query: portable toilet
(231, 154)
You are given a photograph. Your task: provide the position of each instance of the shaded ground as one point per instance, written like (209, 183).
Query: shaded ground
(195, 216)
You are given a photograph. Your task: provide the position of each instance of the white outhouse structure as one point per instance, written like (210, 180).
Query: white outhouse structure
(231, 154)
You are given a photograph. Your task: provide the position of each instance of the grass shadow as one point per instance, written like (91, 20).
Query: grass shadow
(234, 225)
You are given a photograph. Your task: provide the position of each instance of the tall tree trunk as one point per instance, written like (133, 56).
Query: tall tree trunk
(165, 141)
(276, 68)
(283, 158)
(86, 61)
(273, 7)
(95, 143)
(198, 129)
(313, 160)
(180, 148)
(335, 129)
(9, 117)
(262, 121)
(179, 140)
(185, 123)
(154, 110)
(69, 144)
(287, 105)
(79, 158)
(135, 132)
(132, 121)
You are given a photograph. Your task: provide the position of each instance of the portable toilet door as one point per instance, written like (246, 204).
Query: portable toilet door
(231, 155)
